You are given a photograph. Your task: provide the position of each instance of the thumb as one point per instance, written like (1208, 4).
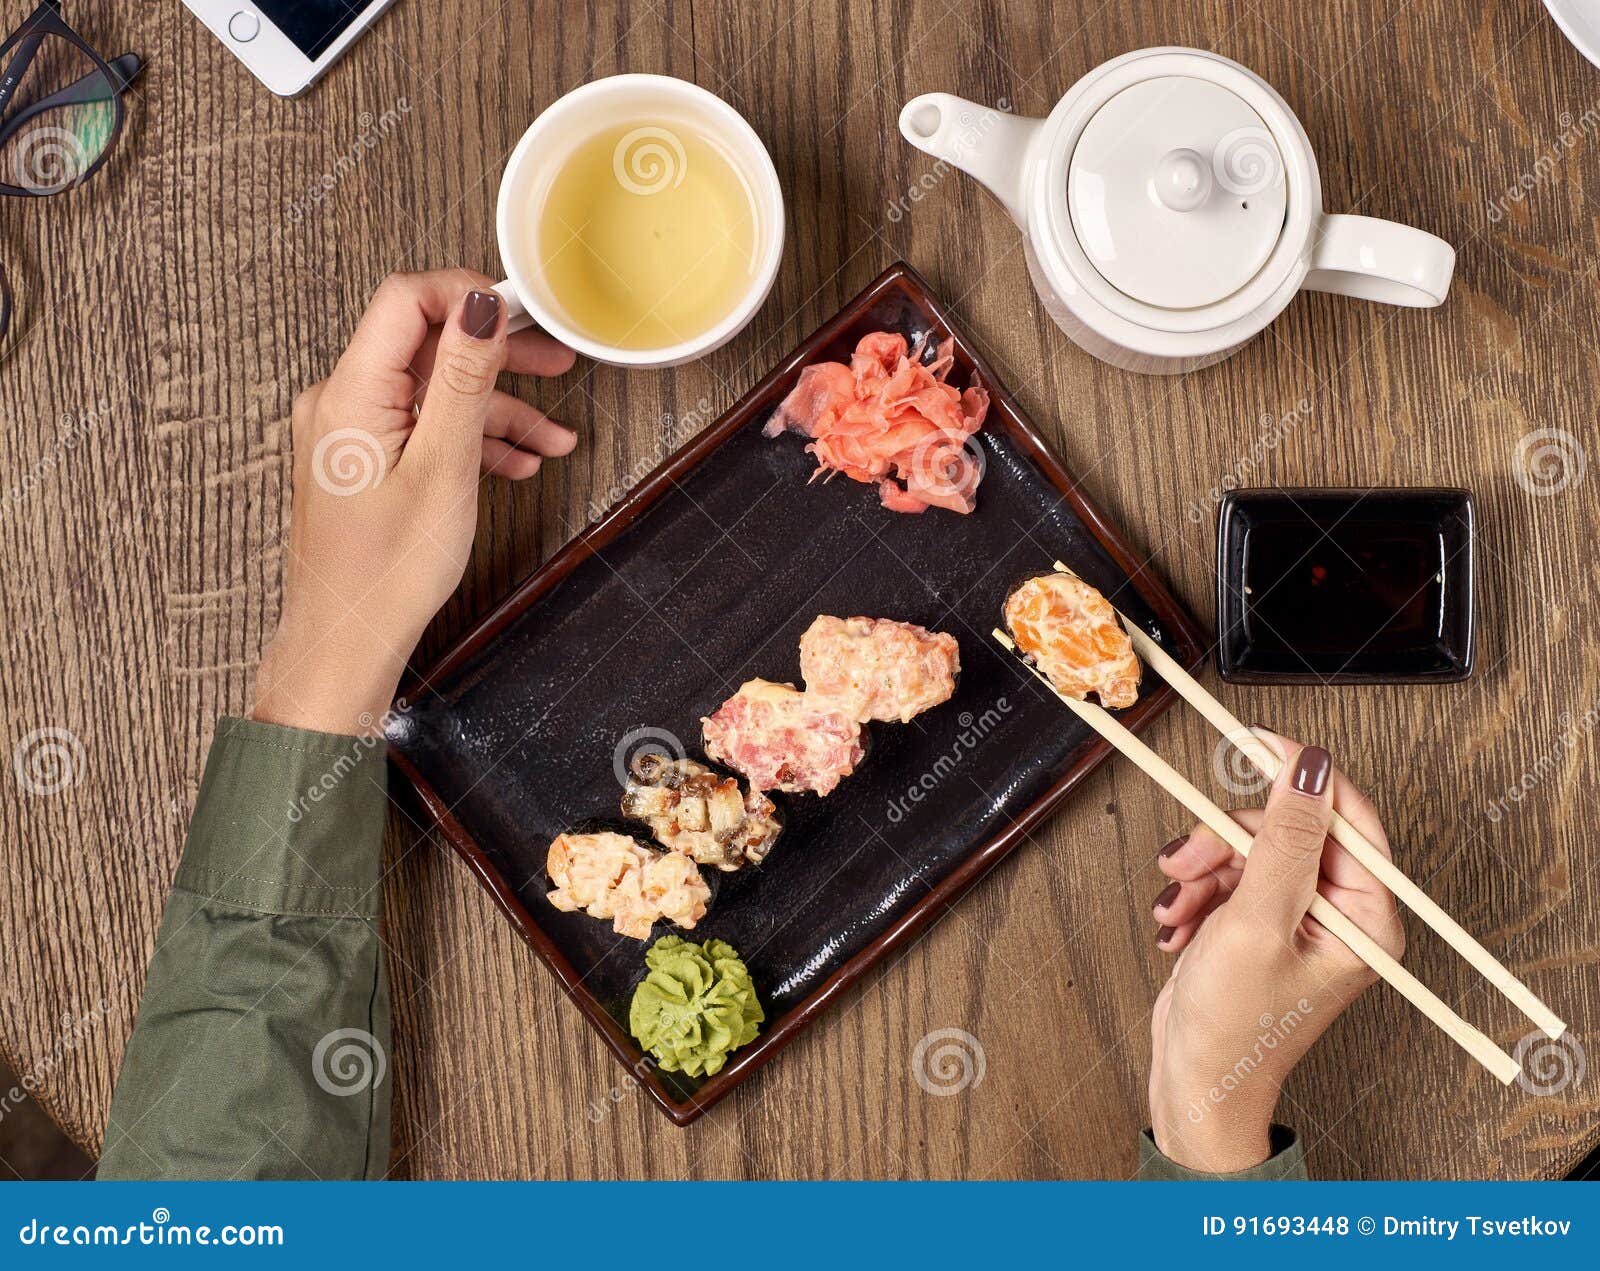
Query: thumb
(1280, 875)
(471, 354)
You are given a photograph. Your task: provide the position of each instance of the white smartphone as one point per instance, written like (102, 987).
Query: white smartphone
(287, 44)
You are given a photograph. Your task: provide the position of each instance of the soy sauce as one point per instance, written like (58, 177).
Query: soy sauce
(1345, 586)
(1374, 587)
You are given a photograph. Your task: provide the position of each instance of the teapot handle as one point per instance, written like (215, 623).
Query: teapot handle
(985, 143)
(1373, 259)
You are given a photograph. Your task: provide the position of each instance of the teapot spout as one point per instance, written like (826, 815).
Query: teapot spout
(983, 142)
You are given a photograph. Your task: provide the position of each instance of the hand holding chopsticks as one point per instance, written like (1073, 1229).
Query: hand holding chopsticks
(1345, 834)
(1256, 983)
(1469, 1038)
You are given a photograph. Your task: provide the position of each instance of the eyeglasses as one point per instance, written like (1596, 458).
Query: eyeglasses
(60, 112)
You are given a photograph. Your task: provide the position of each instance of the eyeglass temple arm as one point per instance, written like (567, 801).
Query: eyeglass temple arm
(89, 88)
(18, 66)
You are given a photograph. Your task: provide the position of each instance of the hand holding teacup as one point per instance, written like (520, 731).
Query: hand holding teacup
(622, 205)
(387, 454)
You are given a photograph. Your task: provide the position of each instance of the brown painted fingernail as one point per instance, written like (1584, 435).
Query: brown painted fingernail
(1169, 893)
(480, 314)
(1311, 771)
(1173, 846)
(1164, 935)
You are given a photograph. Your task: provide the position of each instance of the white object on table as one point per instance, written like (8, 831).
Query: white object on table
(1193, 210)
(1579, 21)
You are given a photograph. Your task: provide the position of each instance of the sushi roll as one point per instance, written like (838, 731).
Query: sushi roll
(877, 668)
(783, 739)
(614, 876)
(1071, 633)
(701, 813)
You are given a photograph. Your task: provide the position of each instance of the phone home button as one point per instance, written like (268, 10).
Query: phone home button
(244, 27)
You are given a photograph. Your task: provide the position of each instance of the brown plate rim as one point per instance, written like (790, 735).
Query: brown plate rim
(1174, 619)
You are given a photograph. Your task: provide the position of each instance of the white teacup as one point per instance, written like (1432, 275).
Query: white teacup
(550, 142)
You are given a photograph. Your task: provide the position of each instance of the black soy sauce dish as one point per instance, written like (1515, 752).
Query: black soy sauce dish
(1330, 586)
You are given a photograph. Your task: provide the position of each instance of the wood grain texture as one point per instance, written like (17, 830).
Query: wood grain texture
(170, 311)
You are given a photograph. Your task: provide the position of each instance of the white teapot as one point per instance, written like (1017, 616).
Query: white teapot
(1171, 208)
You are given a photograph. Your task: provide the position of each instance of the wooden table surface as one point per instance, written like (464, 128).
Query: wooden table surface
(171, 309)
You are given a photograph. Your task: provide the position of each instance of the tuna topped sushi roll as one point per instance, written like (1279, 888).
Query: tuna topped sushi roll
(783, 739)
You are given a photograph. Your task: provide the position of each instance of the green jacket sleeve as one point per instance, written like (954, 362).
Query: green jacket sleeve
(1287, 1163)
(261, 1048)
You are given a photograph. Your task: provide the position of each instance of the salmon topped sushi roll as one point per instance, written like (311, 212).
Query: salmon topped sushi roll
(878, 668)
(783, 739)
(1071, 633)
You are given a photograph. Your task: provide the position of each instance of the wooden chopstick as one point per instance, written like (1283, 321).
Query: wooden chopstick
(1346, 835)
(1502, 1065)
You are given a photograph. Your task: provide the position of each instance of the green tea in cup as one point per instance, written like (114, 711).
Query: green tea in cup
(647, 236)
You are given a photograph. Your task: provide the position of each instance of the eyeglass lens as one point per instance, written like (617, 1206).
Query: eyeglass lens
(60, 118)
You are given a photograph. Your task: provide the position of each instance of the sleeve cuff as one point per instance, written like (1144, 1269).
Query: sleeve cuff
(1287, 1162)
(288, 821)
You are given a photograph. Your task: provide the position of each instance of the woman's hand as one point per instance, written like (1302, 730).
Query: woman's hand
(387, 453)
(1257, 981)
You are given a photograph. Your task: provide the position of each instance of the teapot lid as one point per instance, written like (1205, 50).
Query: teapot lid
(1177, 192)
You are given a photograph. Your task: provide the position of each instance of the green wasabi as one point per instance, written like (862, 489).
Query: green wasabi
(696, 1006)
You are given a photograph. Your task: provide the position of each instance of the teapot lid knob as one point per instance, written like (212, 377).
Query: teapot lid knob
(1183, 180)
(1176, 192)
